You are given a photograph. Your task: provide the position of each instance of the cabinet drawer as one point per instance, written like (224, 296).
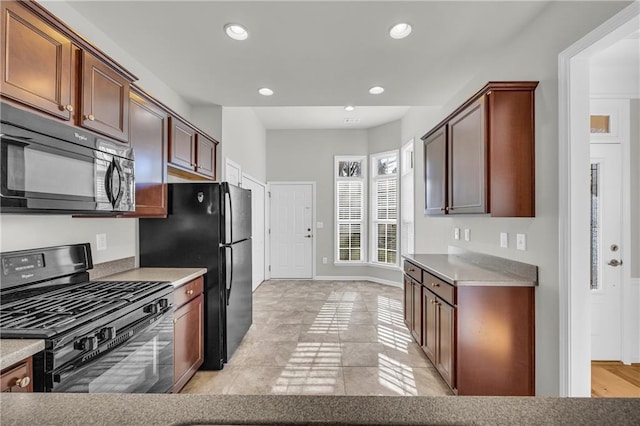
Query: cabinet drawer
(190, 290)
(17, 378)
(413, 271)
(442, 289)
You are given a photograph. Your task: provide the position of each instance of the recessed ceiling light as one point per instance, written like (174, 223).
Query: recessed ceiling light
(236, 32)
(349, 108)
(376, 90)
(265, 91)
(400, 30)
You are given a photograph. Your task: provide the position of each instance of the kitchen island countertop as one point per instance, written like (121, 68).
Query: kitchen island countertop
(182, 409)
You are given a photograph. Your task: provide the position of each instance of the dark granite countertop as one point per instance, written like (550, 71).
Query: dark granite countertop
(474, 269)
(155, 409)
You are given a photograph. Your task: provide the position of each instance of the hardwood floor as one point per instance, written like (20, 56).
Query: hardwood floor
(612, 379)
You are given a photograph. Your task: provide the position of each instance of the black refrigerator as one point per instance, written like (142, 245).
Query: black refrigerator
(208, 225)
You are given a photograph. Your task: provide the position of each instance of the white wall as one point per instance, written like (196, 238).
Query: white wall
(245, 141)
(531, 56)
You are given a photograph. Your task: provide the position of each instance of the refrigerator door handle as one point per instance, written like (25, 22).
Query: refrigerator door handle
(230, 275)
(229, 212)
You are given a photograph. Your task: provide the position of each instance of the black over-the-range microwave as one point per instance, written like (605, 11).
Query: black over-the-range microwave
(50, 167)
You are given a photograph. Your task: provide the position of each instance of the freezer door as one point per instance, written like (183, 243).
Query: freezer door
(237, 213)
(239, 298)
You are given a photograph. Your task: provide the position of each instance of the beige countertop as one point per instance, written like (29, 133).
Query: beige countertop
(15, 350)
(462, 271)
(183, 409)
(178, 276)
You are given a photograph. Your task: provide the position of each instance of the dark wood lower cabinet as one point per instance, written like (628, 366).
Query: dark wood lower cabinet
(188, 335)
(481, 339)
(18, 377)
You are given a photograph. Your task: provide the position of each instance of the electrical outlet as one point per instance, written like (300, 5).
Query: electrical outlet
(324, 260)
(101, 242)
(521, 241)
(467, 234)
(319, 225)
(504, 240)
(456, 233)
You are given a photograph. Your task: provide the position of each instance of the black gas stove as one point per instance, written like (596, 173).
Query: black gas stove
(100, 336)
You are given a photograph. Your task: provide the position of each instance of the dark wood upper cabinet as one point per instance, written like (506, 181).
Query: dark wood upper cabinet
(435, 172)
(148, 136)
(105, 99)
(489, 157)
(182, 144)
(466, 150)
(36, 62)
(192, 154)
(206, 156)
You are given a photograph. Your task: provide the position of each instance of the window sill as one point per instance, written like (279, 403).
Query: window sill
(375, 265)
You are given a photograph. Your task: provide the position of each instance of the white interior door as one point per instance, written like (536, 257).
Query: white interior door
(232, 173)
(257, 228)
(291, 216)
(606, 267)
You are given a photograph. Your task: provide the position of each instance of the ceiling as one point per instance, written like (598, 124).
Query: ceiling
(320, 55)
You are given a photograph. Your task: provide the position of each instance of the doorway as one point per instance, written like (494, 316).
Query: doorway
(291, 231)
(574, 205)
(258, 228)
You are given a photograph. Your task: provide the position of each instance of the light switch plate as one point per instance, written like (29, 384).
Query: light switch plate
(101, 242)
(504, 240)
(319, 225)
(324, 260)
(521, 241)
(467, 234)
(456, 233)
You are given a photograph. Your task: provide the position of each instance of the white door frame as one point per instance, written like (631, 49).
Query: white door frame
(266, 223)
(313, 221)
(573, 156)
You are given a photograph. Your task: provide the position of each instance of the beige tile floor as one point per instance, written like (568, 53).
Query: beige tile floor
(325, 338)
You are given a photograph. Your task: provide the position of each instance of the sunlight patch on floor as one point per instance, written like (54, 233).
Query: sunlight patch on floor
(312, 369)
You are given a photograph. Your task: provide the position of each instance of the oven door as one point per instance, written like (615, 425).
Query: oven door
(48, 174)
(141, 364)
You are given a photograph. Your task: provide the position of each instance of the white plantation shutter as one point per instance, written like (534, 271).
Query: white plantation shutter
(350, 213)
(384, 209)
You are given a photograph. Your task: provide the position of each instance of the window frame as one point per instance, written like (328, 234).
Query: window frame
(363, 221)
(374, 178)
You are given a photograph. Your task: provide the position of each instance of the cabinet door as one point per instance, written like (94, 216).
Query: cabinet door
(188, 341)
(446, 341)
(408, 304)
(416, 319)
(467, 160)
(148, 131)
(17, 378)
(182, 144)
(37, 59)
(429, 330)
(105, 99)
(206, 156)
(435, 172)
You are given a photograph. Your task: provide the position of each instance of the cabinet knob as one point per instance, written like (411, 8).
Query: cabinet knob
(90, 117)
(411, 269)
(449, 208)
(66, 108)
(435, 285)
(23, 382)
(190, 292)
(443, 209)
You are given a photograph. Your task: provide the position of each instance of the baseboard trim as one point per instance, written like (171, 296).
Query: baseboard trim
(357, 278)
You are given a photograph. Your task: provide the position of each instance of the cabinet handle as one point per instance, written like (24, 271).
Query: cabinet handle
(411, 270)
(435, 285)
(23, 382)
(443, 209)
(89, 117)
(190, 292)
(449, 208)
(66, 107)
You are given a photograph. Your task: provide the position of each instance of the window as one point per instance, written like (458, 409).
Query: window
(350, 175)
(384, 208)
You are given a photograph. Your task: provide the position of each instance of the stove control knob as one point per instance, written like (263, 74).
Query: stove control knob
(108, 333)
(87, 343)
(164, 303)
(151, 309)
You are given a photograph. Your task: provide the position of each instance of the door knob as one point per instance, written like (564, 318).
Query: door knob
(615, 262)
(308, 236)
